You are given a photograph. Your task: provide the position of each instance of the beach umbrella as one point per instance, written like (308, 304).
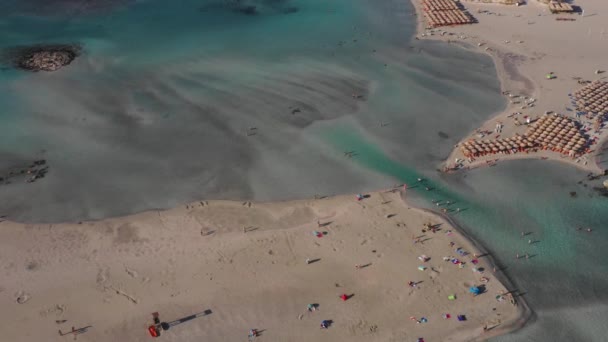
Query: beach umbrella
(475, 290)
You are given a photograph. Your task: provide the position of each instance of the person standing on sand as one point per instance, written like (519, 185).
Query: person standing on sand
(253, 333)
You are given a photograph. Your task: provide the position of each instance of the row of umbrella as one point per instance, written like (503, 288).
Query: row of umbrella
(592, 98)
(550, 132)
(556, 7)
(558, 132)
(439, 5)
(482, 147)
(449, 17)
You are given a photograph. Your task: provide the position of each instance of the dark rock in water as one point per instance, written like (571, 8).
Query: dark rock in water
(43, 57)
(443, 135)
(572, 193)
(30, 172)
(250, 7)
(602, 191)
(66, 7)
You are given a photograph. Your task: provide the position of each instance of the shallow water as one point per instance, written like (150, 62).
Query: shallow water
(158, 111)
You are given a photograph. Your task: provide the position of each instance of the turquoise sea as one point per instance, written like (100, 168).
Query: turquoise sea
(259, 99)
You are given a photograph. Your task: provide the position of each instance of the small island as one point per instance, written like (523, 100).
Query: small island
(44, 57)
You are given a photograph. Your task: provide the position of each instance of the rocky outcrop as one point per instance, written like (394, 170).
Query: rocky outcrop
(44, 57)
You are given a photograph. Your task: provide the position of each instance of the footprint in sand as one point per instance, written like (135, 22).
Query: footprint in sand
(132, 273)
(22, 297)
(57, 309)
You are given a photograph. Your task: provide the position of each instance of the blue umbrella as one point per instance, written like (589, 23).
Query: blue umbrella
(475, 290)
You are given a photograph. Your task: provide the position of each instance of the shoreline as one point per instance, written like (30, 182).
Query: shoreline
(525, 313)
(127, 283)
(512, 66)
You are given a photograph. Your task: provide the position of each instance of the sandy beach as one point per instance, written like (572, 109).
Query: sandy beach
(247, 263)
(527, 43)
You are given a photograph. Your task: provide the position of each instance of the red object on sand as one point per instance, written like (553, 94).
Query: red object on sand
(344, 297)
(153, 332)
(319, 235)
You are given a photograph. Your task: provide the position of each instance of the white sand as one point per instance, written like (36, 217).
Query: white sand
(112, 274)
(526, 43)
